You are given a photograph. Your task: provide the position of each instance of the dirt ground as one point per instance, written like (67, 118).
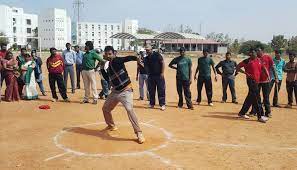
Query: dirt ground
(71, 135)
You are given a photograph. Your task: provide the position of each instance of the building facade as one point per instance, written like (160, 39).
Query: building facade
(130, 27)
(17, 25)
(54, 28)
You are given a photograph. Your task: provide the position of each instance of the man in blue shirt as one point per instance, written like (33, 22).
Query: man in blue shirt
(69, 57)
(279, 64)
(78, 66)
(228, 78)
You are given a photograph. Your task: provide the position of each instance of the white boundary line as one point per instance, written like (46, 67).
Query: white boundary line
(56, 156)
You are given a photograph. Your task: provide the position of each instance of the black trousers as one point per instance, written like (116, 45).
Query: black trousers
(157, 83)
(276, 91)
(202, 80)
(228, 81)
(184, 85)
(53, 78)
(252, 99)
(265, 88)
(78, 69)
(291, 88)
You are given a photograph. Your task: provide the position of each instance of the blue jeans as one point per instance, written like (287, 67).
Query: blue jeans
(143, 78)
(157, 83)
(69, 70)
(105, 88)
(228, 81)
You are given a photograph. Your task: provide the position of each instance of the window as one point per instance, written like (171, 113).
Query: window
(93, 40)
(118, 41)
(105, 34)
(86, 33)
(105, 27)
(79, 34)
(79, 26)
(14, 30)
(86, 26)
(28, 21)
(99, 27)
(118, 27)
(111, 27)
(99, 41)
(99, 34)
(111, 41)
(29, 30)
(15, 39)
(105, 41)
(16, 11)
(92, 26)
(92, 34)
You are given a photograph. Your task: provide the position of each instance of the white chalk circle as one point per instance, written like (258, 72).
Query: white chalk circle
(167, 135)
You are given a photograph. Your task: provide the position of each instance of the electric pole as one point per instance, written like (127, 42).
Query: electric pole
(77, 5)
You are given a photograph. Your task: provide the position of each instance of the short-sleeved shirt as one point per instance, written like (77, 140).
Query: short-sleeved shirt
(279, 66)
(69, 57)
(267, 62)
(89, 60)
(183, 67)
(154, 64)
(204, 64)
(228, 68)
(253, 67)
(291, 76)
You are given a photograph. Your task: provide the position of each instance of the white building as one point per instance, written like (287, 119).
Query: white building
(54, 28)
(131, 27)
(17, 25)
(99, 33)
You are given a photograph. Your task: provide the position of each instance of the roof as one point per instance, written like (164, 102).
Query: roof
(191, 41)
(133, 36)
(174, 35)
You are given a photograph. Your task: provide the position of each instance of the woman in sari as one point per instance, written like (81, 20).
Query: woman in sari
(10, 65)
(29, 90)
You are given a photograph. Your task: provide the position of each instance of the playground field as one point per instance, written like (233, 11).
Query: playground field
(71, 135)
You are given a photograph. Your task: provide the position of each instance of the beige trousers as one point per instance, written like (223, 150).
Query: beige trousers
(89, 78)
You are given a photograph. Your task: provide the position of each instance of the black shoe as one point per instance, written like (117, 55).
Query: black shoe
(235, 102)
(77, 87)
(73, 91)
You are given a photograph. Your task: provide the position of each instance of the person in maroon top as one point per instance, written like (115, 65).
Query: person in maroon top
(253, 69)
(3, 52)
(55, 66)
(265, 78)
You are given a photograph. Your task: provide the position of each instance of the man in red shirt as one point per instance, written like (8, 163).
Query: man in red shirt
(253, 70)
(55, 66)
(265, 79)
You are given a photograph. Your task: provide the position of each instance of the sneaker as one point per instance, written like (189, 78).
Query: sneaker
(73, 91)
(244, 116)
(151, 106)
(85, 101)
(78, 87)
(277, 105)
(263, 119)
(269, 115)
(210, 104)
(111, 128)
(54, 100)
(95, 102)
(140, 138)
(163, 108)
(66, 100)
(140, 98)
(191, 108)
(44, 94)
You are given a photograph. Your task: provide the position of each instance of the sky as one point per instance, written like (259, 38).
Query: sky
(248, 19)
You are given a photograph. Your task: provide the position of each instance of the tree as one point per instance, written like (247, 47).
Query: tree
(246, 46)
(292, 44)
(235, 46)
(220, 37)
(3, 40)
(279, 42)
(145, 31)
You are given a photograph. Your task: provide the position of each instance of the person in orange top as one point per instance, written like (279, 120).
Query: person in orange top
(55, 66)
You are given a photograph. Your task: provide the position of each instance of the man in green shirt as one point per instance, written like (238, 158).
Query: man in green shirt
(183, 67)
(89, 73)
(204, 68)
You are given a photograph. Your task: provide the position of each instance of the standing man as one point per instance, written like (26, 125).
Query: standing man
(291, 70)
(265, 78)
(228, 77)
(38, 71)
(3, 52)
(155, 67)
(204, 76)
(183, 67)
(78, 65)
(252, 69)
(279, 64)
(142, 76)
(121, 91)
(89, 73)
(55, 66)
(69, 57)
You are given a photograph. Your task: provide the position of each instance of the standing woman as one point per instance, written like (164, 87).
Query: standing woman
(29, 90)
(38, 71)
(10, 65)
